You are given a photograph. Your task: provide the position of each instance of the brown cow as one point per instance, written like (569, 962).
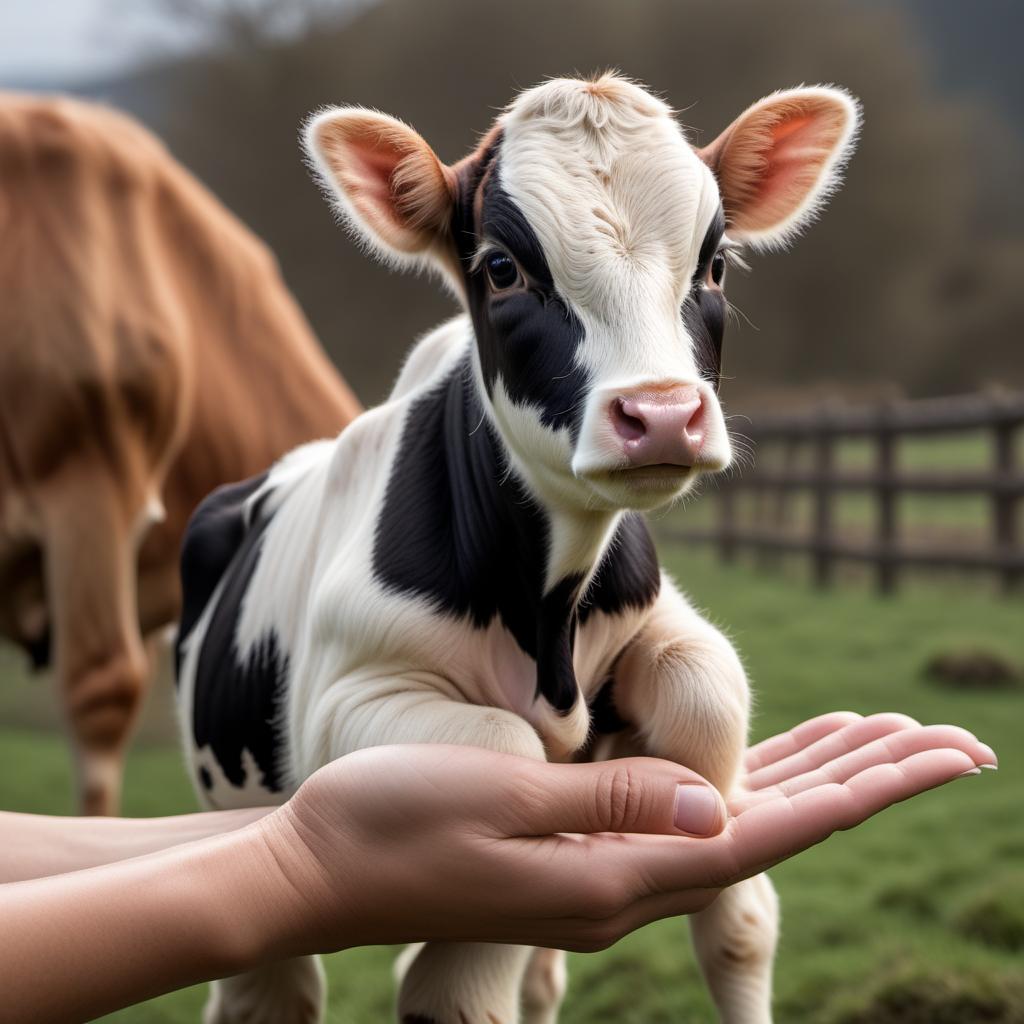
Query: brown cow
(149, 352)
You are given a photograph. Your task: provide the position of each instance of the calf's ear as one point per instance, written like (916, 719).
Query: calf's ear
(385, 181)
(780, 160)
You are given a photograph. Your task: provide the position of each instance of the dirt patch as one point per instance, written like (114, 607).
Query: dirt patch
(943, 1000)
(973, 670)
(996, 920)
(917, 901)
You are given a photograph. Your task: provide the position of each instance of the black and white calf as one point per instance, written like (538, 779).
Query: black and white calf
(468, 563)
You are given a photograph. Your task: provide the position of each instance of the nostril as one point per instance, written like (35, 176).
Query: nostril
(632, 428)
(695, 425)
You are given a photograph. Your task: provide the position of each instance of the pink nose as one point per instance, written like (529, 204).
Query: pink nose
(660, 426)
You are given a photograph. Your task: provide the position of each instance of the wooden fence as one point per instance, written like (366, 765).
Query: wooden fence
(805, 447)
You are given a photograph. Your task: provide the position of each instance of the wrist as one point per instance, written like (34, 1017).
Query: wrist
(205, 909)
(287, 905)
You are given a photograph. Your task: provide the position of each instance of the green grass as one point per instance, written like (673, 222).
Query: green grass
(916, 916)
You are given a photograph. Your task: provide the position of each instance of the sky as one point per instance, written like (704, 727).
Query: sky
(69, 42)
(57, 41)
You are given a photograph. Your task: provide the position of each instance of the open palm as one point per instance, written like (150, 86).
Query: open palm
(577, 855)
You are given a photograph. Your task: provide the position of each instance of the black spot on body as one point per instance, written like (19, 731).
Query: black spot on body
(460, 530)
(205, 779)
(604, 715)
(234, 702)
(212, 538)
(556, 640)
(629, 575)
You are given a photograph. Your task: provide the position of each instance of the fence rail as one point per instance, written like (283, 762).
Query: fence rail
(816, 436)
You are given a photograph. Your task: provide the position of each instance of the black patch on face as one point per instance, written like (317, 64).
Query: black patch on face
(527, 334)
(459, 529)
(235, 703)
(712, 240)
(704, 308)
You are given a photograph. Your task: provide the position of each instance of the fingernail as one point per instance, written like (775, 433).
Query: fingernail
(990, 755)
(990, 767)
(970, 771)
(696, 810)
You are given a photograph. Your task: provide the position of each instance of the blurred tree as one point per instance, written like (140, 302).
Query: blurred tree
(909, 276)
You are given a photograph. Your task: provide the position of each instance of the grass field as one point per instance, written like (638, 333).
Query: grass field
(916, 917)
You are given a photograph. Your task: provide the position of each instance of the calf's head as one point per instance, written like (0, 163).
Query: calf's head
(588, 240)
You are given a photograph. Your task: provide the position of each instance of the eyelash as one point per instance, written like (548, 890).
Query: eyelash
(481, 254)
(733, 256)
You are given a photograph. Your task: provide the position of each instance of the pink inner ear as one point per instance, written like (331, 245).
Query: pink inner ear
(390, 176)
(368, 166)
(775, 160)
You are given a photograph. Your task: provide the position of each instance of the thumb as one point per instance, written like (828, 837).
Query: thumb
(635, 794)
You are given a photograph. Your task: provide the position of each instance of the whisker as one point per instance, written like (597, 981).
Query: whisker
(733, 308)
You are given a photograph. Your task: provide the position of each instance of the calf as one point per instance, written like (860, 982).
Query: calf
(149, 351)
(468, 563)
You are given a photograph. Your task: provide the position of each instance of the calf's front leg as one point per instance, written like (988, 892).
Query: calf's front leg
(683, 688)
(440, 982)
(288, 992)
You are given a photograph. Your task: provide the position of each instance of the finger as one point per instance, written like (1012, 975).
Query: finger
(775, 749)
(635, 794)
(833, 745)
(889, 749)
(787, 825)
(780, 828)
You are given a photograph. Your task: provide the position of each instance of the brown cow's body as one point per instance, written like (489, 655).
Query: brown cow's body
(149, 352)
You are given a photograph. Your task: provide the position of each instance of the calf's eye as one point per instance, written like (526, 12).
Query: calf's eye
(501, 270)
(718, 268)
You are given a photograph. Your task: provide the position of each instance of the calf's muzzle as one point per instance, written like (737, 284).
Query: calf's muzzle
(659, 426)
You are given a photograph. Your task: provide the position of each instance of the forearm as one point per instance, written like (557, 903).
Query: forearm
(36, 845)
(79, 945)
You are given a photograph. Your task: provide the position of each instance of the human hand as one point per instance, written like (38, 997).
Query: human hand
(433, 842)
(836, 747)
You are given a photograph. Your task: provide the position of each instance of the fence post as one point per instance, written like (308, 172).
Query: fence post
(1004, 503)
(823, 463)
(885, 536)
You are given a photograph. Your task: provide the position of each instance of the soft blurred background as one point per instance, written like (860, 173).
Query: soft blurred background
(909, 287)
